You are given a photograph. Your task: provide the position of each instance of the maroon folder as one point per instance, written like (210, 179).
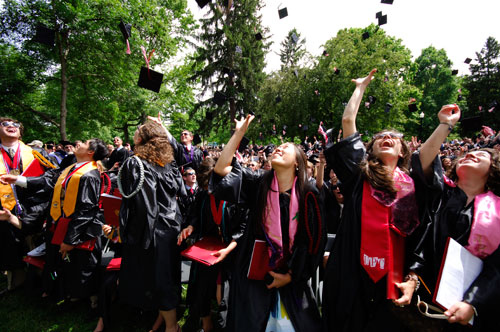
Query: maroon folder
(60, 234)
(259, 263)
(202, 251)
(111, 206)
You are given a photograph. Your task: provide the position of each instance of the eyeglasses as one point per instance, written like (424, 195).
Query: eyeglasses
(387, 133)
(424, 308)
(11, 123)
(190, 173)
(185, 134)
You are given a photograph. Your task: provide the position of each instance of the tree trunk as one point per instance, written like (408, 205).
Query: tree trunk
(63, 52)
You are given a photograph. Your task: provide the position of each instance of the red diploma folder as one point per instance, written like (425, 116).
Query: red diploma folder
(39, 262)
(60, 233)
(202, 250)
(114, 264)
(33, 169)
(111, 206)
(259, 263)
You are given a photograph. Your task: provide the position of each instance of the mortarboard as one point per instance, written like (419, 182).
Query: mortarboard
(467, 60)
(366, 35)
(243, 144)
(387, 2)
(45, 36)
(126, 30)
(388, 107)
(492, 106)
(413, 107)
(372, 99)
(459, 97)
(283, 12)
(219, 98)
(202, 3)
(378, 15)
(454, 72)
(258, 36)
(471, 124)
(295, 39)
(150, 79)
(196, 139)
(382, 20)
(209, 116)
(336, 70)
(278, 99)
(325, 53)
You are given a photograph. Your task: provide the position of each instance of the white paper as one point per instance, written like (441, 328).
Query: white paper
(38, 251)
(460, 269)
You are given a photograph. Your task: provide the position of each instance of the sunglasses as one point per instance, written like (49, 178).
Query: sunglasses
(190, 173)
(10, 123)
(387, 133)
(424, 307)
(185, 134)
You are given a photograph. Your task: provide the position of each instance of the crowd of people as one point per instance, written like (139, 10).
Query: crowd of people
(374, 218)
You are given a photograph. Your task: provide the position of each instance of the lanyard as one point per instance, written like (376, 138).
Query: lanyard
(6, 159)
(217, 212)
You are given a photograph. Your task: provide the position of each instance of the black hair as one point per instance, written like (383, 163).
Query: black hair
(99, 148)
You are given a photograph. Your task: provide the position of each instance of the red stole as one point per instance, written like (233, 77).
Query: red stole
(382, 245)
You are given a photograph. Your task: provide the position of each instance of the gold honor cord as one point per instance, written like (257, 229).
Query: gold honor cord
(44, 161)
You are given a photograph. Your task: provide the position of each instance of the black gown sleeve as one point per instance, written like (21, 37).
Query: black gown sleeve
(87, 220)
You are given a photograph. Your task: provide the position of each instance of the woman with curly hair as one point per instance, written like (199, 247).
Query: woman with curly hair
(465, 207)
(365, 267)
(150, 221)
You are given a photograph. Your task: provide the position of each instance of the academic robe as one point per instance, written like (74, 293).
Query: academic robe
(183, 157)
(445, 213)
(76, 277)
(203, 279)
(117, 156)
(149, 224)
(250, 301)
(351, 300)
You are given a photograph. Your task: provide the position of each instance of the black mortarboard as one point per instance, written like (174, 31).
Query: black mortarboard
(202, 3)
(336, 71)
(150, 79)
(492, 106)
(378, 15)
(366, 35)
(226, 70)
(196, 139)
(459, 97)
(278, 99)
(325, 53)
(209, 116)
(387, 2)
(305, 127)
(295, 39)
(413, 107)
(45, 36)
(454, 72)
(388, 107)
(243, 144)
(372, 99)
(283, 12)
(471, 124)
(382, 20)
(258, 36)
(219, 98)
(449, 63)
(467, 60)
(126, 30)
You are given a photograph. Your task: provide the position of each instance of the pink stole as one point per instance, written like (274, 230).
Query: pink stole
(485, 230)
(272, 221)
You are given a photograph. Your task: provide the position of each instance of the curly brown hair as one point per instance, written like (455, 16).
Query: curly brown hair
(377, 174)
(493, 181)
(153, 145)
(204, 171)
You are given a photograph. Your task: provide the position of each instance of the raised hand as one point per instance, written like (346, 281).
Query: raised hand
(449, 114)
(364, 81)
(243, 123)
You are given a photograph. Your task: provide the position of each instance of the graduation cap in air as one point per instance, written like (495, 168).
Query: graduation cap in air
(454, 72)
(258, 36)
(467, 60)
(295, 39)
(378, 15)
(283, 12)
(365, 35)
(278, 99)
(387, 2)
(460, 97)
(202, 3)
(126, 30)
(382, 20)
(336, 70)
(150, 79)
(325, 53)
(471, 124)
(388, 107)
(219, 98)
(372, 99)
(45, 36)
(449, 63)
(196, 139)
(209, 116)
(492, 106)
(413, 107)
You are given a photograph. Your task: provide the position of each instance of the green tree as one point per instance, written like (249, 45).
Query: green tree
(483, 84)
(230, 60)
(88, 77)
(292, 50)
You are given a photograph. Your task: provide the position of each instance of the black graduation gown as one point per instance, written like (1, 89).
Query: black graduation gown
(351, 300)
(117, 156)
(445, 213)
(76, 278)
(250, 301)
(149, 224)
(183, 157)
(202, 278)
